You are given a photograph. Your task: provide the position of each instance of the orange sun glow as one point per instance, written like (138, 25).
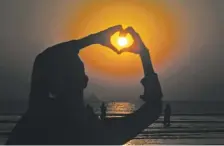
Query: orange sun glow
(151, 19)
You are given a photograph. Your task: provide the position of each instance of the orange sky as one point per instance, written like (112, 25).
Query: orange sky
(151, 19)
(184, 38)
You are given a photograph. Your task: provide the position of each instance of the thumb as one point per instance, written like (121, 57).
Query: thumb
(111, 30)
(128, 49)
(114, 48)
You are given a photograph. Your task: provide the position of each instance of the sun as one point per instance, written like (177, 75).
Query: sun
(154, 21)
(122, 41)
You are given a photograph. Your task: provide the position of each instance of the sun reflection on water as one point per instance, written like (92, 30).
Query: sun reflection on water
(143, 142)
(120, 108)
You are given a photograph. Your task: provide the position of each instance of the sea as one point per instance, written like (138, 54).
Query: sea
(191, 123)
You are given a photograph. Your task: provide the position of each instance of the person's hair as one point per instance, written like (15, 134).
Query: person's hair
(56, 73)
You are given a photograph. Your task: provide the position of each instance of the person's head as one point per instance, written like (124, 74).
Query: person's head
(59, 72)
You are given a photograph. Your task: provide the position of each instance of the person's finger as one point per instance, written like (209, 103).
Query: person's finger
(125, 50)
(113, 29)
(113, 48)
(137, 38)
(132, 32)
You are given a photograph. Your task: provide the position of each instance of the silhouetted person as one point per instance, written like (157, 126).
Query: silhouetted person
(62, 118)
(167, 114)
(103, 109)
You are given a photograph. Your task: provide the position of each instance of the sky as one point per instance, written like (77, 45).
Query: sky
(185, 38)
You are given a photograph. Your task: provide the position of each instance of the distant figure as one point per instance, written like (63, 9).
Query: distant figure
(63, 119)
(103, 109)
(167, 114)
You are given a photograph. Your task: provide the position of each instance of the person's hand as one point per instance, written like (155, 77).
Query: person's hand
(103, 37)
(138, 46)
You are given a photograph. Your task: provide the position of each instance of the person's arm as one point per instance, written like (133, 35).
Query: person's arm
(101, 38)
(121, 130)
(80, 43)
(146, 62)
(150, 82)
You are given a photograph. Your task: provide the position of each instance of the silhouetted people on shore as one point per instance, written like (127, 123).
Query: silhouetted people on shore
(103, 110)
(64, 119)
(167, 114)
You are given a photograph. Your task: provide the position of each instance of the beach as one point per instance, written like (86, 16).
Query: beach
(191, 128)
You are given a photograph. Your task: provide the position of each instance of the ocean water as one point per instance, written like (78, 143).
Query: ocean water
(197, 126)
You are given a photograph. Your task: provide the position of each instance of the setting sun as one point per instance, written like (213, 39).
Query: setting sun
(153, 21)
(122, 41)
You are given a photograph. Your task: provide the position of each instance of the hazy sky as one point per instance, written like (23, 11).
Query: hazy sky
(27, 27)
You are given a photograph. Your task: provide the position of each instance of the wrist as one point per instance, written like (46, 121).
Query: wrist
(87, 41)
(143, 51)
(144, 55)
(92, 39)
